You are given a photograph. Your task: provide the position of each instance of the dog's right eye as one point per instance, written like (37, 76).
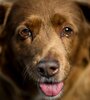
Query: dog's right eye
(67, 32)
(25, 33)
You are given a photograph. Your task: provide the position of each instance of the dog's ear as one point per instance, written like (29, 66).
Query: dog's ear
(84, 54)
(85, 7)
(4, 12)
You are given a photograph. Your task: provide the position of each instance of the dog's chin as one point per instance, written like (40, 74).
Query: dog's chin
(51, 91)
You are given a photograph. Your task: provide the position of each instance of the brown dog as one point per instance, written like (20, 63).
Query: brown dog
(40, 40)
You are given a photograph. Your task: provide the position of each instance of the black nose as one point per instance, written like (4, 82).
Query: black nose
(48, 68)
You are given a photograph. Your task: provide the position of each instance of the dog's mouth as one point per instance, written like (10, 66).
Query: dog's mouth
(51, 89)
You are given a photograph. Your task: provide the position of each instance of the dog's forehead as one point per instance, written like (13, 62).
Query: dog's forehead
(45, 7)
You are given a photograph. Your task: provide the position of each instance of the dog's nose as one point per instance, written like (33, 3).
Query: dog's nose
(48, 68)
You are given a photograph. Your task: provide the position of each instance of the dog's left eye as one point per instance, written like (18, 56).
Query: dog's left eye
(25, 33)
(66, 32)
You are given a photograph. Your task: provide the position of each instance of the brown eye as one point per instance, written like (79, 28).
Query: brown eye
(25, 33)
(66, 32)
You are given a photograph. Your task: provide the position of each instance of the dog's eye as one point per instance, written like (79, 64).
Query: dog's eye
(25, 33)
(66, 32)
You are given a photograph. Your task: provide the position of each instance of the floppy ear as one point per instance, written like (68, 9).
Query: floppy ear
(84, 52)
(4, 11)
(85, 7)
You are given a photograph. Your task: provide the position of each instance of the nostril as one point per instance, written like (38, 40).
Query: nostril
(54, 69)
(41, 71)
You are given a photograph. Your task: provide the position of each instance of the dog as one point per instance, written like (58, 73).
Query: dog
(41, 41)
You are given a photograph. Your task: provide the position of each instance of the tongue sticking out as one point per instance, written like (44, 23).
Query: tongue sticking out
(51, 89)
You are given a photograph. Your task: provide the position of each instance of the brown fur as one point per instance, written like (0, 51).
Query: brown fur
(46, 20)
(81, 88)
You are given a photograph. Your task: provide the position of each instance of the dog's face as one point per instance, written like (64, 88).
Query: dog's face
(42, 37)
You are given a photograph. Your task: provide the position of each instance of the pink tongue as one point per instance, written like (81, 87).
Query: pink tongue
(51, 89)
